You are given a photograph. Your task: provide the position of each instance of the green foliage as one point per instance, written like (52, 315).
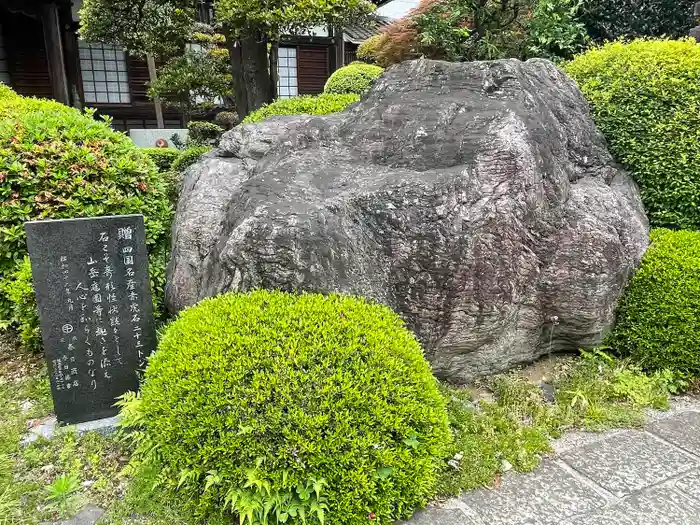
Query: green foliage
(613, 19)
(595, 392)
(56, 162)
(203, 133)
(644, 98)
(554, 31)
(227, 119)
(355, 78)
(275, 17)
(658, 323)
(62, 488)
(455, 30)
(188, 157)
(162, 157)
(201, 76)
(303, 105)
(19, 290)
(287, 408)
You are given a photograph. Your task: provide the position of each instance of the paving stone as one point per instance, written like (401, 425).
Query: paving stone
(683, 430)
(629, 461)
(88, 516)
(544, 497)
(656, 506)
(690, 485)
(438, 516)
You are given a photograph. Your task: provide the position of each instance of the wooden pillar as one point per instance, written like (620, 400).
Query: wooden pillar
(338, 58)
(153, 76)
(54, 52)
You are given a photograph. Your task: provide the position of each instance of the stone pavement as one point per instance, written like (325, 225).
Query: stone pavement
(624, 477)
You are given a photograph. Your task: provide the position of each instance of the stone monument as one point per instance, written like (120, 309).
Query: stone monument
(93, 295)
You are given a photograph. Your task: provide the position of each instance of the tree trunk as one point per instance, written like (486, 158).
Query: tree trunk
(252, 83)
(274, 61)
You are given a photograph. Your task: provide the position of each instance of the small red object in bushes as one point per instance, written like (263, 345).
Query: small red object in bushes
(161, 143)
(372, 515)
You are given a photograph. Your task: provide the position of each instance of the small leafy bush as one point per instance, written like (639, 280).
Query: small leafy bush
(304, 105)
(288, 408)
(644, 97)
(613, 19)
(19, 290)
(56, 162)
(555, 31)
(658, 317)
(355, 78)
(203, 133)
(227, 119)
(188, 157)
(162, 157)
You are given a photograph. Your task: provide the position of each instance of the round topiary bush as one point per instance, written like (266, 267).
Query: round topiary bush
(279, 403)
(323, 104)
(355, 78)
(659, 315)
(644, 97)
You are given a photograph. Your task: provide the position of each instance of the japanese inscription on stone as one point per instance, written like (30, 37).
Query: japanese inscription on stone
(92, 288)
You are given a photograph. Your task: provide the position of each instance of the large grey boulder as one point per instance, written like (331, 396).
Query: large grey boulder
(477, 200)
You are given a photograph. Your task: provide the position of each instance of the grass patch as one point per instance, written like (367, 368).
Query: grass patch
(595, 392)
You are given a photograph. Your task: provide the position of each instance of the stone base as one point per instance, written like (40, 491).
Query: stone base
(48, 428)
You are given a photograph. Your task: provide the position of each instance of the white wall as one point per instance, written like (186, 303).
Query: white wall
(397, 8)
(4, 74)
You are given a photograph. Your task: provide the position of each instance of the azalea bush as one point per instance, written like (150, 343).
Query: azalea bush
(283, 408)
(56, 162)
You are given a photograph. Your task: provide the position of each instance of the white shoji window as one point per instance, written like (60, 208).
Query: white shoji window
(287, 86)
(105, 79)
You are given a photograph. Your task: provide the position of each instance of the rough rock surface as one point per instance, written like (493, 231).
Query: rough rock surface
(478, 200)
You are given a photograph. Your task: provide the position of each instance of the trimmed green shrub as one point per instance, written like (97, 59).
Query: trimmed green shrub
(613, 19)
(659, 316)
(304, 105)
(188, 157)
(227, 119)
(56, 162)
(272, 403)
(162, 157)
(203, 133)
(644, 97)
(19, 290)
(355, 78)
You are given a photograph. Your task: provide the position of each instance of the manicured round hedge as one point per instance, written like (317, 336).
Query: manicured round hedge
(645, 97)
(296, 390)
(659, 316)
(304, 105)
(355, 78)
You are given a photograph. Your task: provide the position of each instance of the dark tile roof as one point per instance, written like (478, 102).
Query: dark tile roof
(359, 33)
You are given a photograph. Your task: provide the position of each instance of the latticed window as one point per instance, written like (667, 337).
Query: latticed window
(287, 85)
(105, 77)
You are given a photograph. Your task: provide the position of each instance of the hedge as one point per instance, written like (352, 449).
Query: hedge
(162, 157)
(306, 104)
(272, 402)
(658, 320)
(355, 78)
(644, 97)
(56, 162)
